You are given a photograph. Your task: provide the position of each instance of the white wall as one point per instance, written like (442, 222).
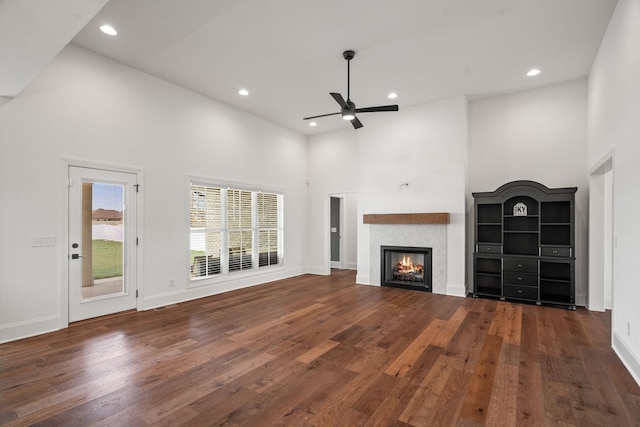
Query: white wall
(332, 169)
(84, 106)
(538, 135)
(424, 146)
(351, 231)
(614, 109)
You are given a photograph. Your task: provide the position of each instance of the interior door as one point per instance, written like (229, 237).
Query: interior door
(335, 232)
(102, 242)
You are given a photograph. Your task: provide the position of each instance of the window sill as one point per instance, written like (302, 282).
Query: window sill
(233, 276)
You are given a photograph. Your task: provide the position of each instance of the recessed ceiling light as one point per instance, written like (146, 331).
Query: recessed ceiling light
(243, 92)
(313, 124)
(533, 72)
(108, 29)
(392, 95)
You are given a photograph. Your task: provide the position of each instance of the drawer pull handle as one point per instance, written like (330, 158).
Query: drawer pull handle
(519, 265)
(519, 278)
(555, 252)
(488, 249)
(519, 291)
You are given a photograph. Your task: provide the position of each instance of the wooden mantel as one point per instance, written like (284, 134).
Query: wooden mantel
(407, 218)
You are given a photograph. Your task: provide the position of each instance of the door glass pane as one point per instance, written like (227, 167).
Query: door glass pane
(102, 239)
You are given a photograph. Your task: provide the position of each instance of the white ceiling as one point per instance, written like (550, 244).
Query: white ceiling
(33, 32)
(288, 53)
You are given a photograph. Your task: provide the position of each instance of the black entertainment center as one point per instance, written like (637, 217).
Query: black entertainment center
(524, 244)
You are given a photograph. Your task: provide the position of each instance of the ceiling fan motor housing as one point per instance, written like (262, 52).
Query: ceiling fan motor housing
(349, 112)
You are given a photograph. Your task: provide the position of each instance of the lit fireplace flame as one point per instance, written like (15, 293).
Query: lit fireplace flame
(406, 266)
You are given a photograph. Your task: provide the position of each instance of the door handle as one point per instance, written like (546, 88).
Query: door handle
(76, 256)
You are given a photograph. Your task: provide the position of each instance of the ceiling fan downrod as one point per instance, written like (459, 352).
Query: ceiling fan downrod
(348, 55)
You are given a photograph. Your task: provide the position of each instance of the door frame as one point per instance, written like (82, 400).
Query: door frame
(327, 229)
(63, 232)
(601, 232)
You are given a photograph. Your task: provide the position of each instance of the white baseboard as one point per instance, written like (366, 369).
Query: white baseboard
(456, 290)
(321, 271)
(344, 266)
(33, 327)
(29, 328)
(627, 357)
(581, 300)
(170, 298)
(362, 279)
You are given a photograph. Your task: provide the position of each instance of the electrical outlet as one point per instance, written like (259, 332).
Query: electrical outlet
(42, 241)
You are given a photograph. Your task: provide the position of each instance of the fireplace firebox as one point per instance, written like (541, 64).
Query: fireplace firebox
(406, 267)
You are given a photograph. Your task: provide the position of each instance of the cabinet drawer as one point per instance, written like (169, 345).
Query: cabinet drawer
(489, 249)
(518, 278)
(555, 251)
(525, 292)
(521, 264)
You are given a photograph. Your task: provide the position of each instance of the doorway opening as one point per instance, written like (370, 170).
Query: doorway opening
(336, 215)
(343, 227)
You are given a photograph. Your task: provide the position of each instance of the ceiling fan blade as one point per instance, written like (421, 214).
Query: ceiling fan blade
(339, 99)
(321, 115)
(356, 123)
(376, 109)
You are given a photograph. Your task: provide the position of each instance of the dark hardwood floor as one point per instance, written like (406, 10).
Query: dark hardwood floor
(323, 351)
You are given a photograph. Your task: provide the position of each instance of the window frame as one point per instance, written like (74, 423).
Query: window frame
(256, 269)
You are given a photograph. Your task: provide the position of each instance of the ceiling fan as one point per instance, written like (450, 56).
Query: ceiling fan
(348, 109)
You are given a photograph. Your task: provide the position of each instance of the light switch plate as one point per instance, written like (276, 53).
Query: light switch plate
(43, 241)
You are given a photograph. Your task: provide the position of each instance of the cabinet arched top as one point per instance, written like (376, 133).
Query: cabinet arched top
(523, 187)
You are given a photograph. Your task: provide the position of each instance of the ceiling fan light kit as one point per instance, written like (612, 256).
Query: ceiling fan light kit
(348, 108)
(348, 115)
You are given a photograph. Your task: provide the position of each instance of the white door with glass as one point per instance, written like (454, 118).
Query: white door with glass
(102, 242)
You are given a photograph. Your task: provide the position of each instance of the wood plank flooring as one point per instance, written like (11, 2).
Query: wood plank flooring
(322, 351)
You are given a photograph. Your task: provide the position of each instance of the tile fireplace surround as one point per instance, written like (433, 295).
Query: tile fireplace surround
(414, 230)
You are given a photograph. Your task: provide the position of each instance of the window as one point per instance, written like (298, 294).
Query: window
(240, 229)
(233, 230)
(268, 229)
(206, 230)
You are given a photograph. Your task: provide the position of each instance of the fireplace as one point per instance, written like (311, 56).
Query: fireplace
(406, 267)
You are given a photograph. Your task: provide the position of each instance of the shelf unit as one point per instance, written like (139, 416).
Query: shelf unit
(524, 244)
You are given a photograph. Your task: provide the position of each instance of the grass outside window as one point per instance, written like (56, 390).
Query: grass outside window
(106, 260)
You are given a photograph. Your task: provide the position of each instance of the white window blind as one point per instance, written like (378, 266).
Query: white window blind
(233, 230)
(206, 230)
(239, 224)
(268, 228)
